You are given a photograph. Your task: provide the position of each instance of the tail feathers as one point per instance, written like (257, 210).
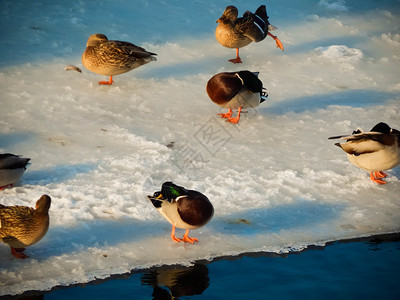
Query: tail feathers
(381, 127)
(261, 19)
(261, 12)
(255, 26)
(11, 161)
(264, 95)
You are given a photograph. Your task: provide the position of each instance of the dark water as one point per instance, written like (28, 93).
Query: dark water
(363, 269)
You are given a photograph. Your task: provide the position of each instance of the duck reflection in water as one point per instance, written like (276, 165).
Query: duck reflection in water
(173, 282)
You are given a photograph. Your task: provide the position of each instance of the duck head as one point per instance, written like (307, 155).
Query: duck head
(229, 16)
(43, 205)
(96, 39)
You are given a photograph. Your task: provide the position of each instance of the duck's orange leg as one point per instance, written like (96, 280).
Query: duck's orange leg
(236, 60)
(227, 115)
(185, 238)
(235, 120)
(278, 42)
(18, 252)
(377, 180)
(110, 82)
(188, 239)
(380, 174)
(173, 237)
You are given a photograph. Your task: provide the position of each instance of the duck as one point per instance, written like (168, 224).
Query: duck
(183, 208)
(374, 151)
(22, 226)
(177, 281)
(236, 90)
(112, 58)
(234, 32)
(12, 167)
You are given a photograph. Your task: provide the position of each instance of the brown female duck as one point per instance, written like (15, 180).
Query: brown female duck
(12, 167)
(22, 226)
(113, 57)
(234, 32)
(236, 90)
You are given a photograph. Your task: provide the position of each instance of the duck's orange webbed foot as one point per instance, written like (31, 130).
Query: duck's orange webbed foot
(226, 115)
(185, 238)
(377, 180)
(188, 239)
(19, 252)
(110, 82)
(236, 60)
(235, 120)
(278, 42)
(380, 174)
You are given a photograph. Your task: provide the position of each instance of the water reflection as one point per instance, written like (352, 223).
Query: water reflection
(176, 281)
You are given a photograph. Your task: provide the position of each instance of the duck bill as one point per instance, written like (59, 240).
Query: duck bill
(221, 19)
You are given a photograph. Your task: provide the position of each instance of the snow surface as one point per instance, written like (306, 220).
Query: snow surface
(276, 182)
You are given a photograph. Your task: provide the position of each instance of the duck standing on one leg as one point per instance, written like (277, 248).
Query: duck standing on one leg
(374, 151)
(186, 209)
(236, 90)
(22, 226)
(113, 57)
(12, 167)
(234, 32)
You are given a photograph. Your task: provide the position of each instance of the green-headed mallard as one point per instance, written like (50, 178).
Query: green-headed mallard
(22, 226)
(12, 167)
(113, 57)
(374, 151)
(234, 32)
(183, 208)
(236, 90)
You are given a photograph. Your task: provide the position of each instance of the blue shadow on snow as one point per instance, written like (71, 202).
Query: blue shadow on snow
(301, 214)
(353, 98)
(7, 140)
(56, 174)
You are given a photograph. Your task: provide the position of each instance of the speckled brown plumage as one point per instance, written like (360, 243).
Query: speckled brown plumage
(113, 57)
(234, 32)
(22, 226)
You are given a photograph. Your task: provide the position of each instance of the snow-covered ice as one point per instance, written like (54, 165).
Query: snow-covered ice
(276, 182)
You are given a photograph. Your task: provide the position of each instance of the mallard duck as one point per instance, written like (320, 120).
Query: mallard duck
(22, 226)
(234, 32)
(374, 151)
(12, 167)
(113, 57)
(183, 208)
(236, 90)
